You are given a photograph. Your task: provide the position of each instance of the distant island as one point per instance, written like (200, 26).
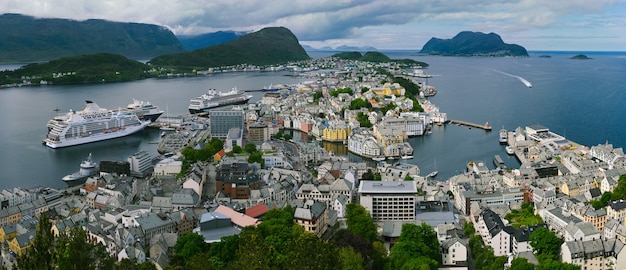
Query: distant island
(468, 43)
(341, 48)
(377, 57)
(268, 46)
(29, 39)
(545, 56)
(90, 68)
(580, 57)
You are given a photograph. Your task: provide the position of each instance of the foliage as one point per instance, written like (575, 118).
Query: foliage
(348, 55)
(416, 241)
(91, 68)
(410, 62)
(363, 120)
(237, 149)
(521, 264)
(190, 244)
(360, 222)
(75, 251)
(40, 255)
(250, 148)
(257, 157)
(268, 46)
(369, 175)
(350, 259)
(468, 43)
(523, 217)
(468, 229)
(545, 242)
(554, 264)
(287, 137)
(346, 90)
(483, 255)
(388, 107)
(375, 57)
(26, 38)
(377, 176)
(348, 239)
(359, 103)
(408, 178)
(278, 135)
(316, 96)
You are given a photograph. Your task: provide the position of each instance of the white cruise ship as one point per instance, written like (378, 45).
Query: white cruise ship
(91, 125)
(143, 109)
(214, 99)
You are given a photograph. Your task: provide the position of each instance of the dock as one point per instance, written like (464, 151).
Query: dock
(485, 127)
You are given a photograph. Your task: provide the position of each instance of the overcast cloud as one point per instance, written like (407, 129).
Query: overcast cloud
(400, 24)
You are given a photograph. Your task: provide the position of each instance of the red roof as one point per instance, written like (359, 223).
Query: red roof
(257, 210)
(239, 219)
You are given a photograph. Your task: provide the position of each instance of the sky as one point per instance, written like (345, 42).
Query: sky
(568, 25)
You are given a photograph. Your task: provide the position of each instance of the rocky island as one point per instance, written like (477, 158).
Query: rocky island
(580, 57)
(468, 43)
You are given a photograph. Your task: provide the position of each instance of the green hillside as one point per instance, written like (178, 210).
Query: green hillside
(273, 45)
(473, 44)
(92, 68)
(28, 39)
(377, 57)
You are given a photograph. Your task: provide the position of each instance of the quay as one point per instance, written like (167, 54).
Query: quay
(486, 126)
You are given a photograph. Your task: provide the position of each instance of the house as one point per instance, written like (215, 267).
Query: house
(185, 198)
(339, 204)
(257, 211)
(135, 254)
(617, 210)
(238, 219)
(312, 217)
(454, 252)
(594, 254)
(19, 244)
(196, 178)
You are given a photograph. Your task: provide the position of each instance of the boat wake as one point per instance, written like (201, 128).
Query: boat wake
(524, 81)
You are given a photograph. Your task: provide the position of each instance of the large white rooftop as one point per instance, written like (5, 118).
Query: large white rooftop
(387, 187)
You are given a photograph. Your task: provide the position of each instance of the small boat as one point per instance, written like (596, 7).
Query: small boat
(504, 136)
(407, 157)
(378, 158)
(509, 150)
(432, 174)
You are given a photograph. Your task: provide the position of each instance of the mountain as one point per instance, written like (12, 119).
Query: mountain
(194, 42)
(272, 45)
(27, 39)
(342, 48)
(473, 44)
(91, 68)
(377, 57)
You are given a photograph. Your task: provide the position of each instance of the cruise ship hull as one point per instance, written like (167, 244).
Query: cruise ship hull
(96, 137)
(206, 109)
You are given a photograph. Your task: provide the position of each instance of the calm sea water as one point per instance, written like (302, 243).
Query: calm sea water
(582, 100)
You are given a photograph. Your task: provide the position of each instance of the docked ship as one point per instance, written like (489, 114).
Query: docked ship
(91, 125)
(504, 136)
(143, 109)
(214, 99)
(87, 168)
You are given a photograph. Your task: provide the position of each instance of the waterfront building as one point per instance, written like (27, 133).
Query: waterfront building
(389, 200)
(222, 120)
(608, 154)
(336, 132)
(363, 143)
(140, 164)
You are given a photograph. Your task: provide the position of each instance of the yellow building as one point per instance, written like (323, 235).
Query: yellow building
(336, 133)
(389, 89)
(19, 244)
(617, 210)
(9, 232)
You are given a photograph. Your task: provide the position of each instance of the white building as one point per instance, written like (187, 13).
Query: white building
(140, 164)
(389, 200)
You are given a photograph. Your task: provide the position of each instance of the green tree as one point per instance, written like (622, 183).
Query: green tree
(408, 178)
(521, 264)
(552, 264)
(250, 148)
(41, 254)
(287, 137)
(468, 229)
(350, 259)
(545, 242)
(307, 251)
(415, 241)
(190, 244)
(74, 251)
(278, 135)
(257, 157)
(360, 222)
(237, 149)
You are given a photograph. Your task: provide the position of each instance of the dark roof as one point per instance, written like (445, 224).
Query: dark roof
(493, 222)
(595, 192)
(618, 205)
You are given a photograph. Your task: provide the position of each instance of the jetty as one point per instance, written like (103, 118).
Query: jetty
(486, 126)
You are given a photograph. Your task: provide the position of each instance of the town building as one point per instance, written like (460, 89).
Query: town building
(389, 200)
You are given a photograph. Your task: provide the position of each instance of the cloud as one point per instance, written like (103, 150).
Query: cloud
(318, 20)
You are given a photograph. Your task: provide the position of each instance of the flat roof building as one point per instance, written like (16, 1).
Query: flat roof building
(389, 200)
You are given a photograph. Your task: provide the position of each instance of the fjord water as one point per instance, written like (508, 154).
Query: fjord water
(581, 99)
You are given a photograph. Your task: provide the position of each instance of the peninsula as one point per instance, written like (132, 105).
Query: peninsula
(468, 43)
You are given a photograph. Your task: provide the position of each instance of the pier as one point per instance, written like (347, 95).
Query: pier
(485, 127)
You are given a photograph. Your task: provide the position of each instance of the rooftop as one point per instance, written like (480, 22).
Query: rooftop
(388, 187)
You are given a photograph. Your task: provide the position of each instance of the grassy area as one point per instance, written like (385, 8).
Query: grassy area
(523, 217)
